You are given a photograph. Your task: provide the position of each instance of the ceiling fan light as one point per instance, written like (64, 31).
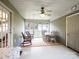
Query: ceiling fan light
(42, 15)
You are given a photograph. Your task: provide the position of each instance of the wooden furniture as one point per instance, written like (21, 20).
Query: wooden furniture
(72, 31)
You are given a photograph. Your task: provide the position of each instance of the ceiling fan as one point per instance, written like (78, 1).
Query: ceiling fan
(45, 12)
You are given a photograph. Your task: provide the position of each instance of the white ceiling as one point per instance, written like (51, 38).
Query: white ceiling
(29, 9)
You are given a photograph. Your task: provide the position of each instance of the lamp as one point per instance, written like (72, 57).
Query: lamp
(42, 15)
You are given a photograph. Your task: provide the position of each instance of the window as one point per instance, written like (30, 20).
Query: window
(3, 21)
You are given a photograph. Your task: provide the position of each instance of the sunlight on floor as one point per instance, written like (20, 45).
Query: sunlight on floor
(38, 41)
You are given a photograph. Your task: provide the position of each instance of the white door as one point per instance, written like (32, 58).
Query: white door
(4, 27)
(72, 31)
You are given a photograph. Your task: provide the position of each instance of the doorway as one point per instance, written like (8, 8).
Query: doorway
(38, 30)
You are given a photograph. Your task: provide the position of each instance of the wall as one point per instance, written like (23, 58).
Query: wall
(59, 25)
(18, 28)
(73, 31)
(18, 24)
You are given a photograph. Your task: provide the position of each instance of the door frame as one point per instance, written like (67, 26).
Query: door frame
(66, 31)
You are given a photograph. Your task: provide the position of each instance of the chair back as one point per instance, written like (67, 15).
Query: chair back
(27, 33)
(23, 35)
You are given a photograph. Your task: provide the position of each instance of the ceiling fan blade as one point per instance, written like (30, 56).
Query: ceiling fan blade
(43, 11)
(48, 10)
(48, 14)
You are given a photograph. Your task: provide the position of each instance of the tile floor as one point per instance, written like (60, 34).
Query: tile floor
(49, 52)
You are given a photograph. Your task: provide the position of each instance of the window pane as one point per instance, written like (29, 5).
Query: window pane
(0, 16)
(4, 15)
(6, 25)
(39, 26)
(0, 29)
(0, 11)
(45, 28)
(4, 29)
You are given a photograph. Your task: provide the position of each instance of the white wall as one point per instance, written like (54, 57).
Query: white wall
(59, 26)
(18, 28)
(18, 24)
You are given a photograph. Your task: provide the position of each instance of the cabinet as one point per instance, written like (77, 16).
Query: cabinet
(72, 31)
